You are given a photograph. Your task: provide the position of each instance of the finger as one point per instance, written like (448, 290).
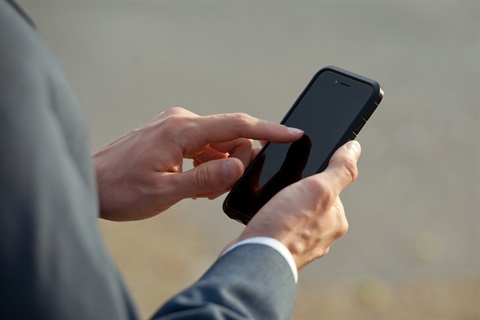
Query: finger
(213, 195)
(255, 153)
(342, 168)
(226, 127)
(175, 111)
(230, 146)
(208, 177)
(209, 154)
(238, 148)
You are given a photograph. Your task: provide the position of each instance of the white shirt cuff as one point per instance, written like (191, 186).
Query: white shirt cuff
(272, 243)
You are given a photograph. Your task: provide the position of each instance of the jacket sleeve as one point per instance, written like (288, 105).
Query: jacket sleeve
(250, 282)
(53, 264)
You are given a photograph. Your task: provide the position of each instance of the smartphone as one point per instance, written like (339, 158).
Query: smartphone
(331, 110)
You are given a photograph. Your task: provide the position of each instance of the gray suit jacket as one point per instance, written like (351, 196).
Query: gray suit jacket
(53, 262)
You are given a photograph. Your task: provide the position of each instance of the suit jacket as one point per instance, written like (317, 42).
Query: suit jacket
(54, 264)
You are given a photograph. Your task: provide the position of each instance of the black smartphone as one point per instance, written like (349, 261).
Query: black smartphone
(331, 110)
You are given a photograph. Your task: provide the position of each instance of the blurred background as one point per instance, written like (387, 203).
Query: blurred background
(412, 251)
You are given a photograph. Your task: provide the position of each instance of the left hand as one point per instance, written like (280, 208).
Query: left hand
(140, 174)
(308, 216)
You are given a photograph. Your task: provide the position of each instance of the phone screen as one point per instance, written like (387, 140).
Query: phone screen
(326, 111)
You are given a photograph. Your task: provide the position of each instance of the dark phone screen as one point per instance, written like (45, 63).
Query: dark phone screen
(326, 111)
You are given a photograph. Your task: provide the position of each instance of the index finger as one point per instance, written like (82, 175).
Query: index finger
(226, 127)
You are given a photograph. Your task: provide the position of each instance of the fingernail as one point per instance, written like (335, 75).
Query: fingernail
(294, 131)
(228, 169)
(355, 148)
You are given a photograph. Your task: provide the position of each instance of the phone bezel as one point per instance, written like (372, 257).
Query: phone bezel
(350, 133)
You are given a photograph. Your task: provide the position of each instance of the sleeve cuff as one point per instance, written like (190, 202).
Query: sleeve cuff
(272, 243)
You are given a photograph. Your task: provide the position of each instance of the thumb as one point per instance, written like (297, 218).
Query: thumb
(211, 176)
(342, 169)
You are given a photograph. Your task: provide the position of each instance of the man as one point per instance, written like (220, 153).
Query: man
(53, 262)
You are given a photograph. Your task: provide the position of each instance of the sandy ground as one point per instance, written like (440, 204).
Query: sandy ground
(412, 251)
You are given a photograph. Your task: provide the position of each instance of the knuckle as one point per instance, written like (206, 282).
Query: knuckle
(174, 121)
(242, 119)
(175, 111)
(329, 197)
(351, 170)
(322, 252)
(316, 185)
(324, 191)
(322, 194)
(244, 145)
(168, 126)
(169, 117)
(345, 228)
(201, 178)
(326, 251)
(341, 226)
(342, 229)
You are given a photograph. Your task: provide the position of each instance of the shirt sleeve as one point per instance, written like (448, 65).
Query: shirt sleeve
(274, 244)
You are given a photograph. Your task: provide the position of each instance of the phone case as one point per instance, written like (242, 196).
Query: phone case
(350, 133)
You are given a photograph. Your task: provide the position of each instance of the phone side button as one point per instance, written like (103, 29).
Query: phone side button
(367, 114)
(352, 136)
(359, 126)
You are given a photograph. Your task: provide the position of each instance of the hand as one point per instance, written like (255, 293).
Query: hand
(308, 216)
(140, 175)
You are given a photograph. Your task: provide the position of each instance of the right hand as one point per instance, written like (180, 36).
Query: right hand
(308, 216)
(141, 174)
